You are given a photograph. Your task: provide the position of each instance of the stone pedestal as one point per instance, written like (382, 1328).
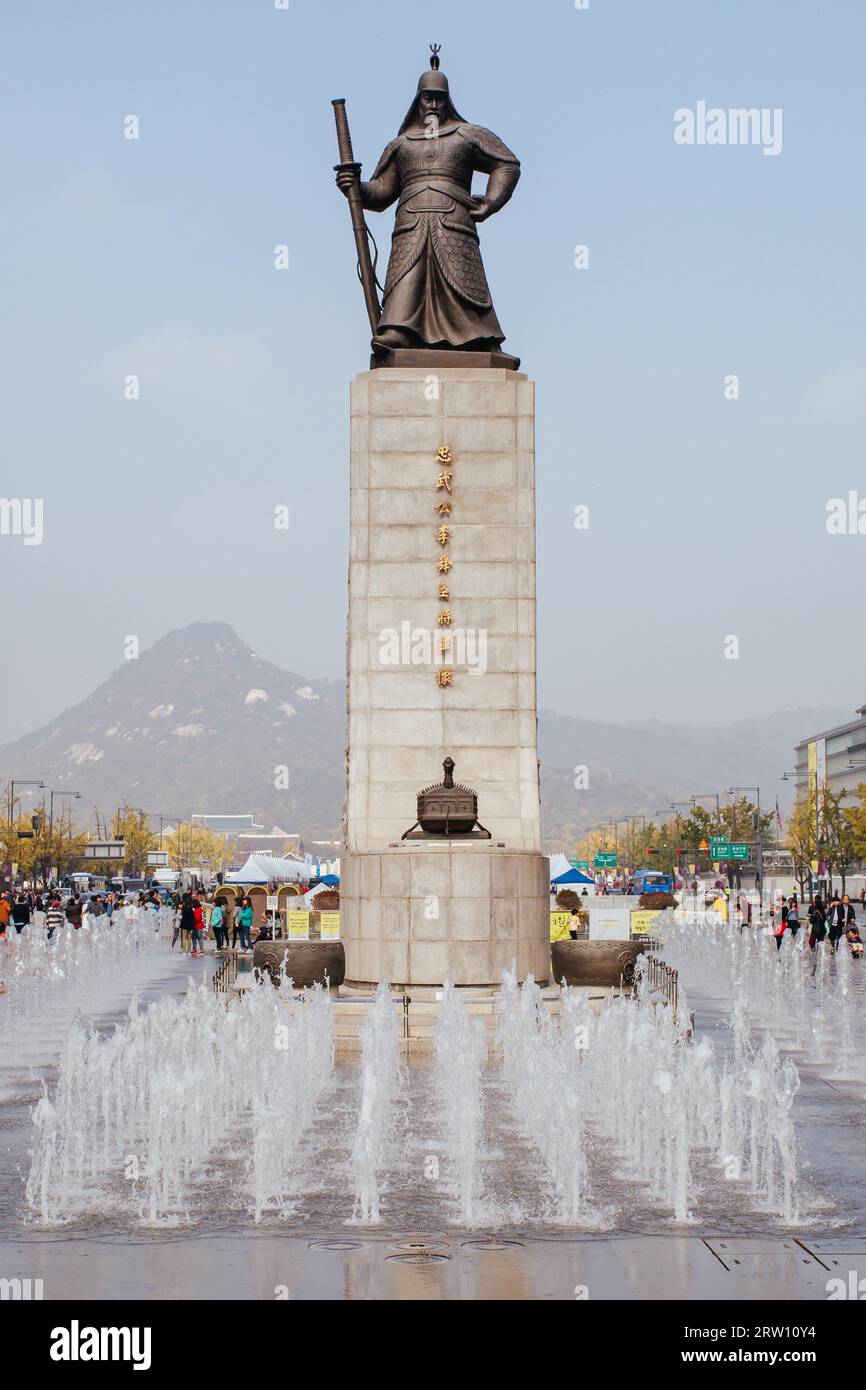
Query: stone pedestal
(418, 913)
(402, 721)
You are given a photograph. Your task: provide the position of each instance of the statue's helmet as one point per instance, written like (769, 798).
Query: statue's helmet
(432, 81)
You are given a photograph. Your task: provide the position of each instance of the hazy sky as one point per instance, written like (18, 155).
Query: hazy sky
(155, 257)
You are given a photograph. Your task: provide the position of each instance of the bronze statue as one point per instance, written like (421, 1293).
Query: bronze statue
(436, 294)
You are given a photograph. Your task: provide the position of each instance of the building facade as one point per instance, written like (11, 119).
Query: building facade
(836, 757)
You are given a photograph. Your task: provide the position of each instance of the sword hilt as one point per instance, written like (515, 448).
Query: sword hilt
(344, 138)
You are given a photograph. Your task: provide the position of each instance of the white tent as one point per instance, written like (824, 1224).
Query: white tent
(559, 863)
(266, 868)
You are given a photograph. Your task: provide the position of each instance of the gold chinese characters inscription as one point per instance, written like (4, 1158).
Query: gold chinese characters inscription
(444, 484)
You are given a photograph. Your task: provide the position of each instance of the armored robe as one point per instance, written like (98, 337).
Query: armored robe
(436, 288)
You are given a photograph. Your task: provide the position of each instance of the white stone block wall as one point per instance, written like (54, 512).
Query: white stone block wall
(429, 911)
(401, 723)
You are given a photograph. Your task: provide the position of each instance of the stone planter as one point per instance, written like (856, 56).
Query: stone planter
(307, 962)
(595, 962)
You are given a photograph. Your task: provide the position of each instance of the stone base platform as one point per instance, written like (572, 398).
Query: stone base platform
(417, 914)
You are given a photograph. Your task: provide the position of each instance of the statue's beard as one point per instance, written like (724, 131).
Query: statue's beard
(416, 119)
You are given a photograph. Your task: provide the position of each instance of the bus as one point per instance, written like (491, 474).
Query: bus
(649, 881)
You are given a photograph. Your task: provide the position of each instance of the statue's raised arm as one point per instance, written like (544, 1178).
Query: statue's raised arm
(436, 294)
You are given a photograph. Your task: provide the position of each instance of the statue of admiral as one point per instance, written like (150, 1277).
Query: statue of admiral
(436, 293)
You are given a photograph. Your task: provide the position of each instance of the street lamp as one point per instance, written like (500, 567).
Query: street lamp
(21, 782)
(61, 795)
(630, 820)
(710, 796)
(759, 847)
(675, 808)
(785, 778)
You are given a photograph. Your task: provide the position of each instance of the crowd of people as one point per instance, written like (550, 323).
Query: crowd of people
(828, 922)
(194, 916)
(231, 924)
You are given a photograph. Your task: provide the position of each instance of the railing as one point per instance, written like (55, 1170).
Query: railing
(662, 977)
(226, 973)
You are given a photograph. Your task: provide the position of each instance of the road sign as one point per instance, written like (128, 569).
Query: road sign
(580, 864)
(105, 849)
(717, 840)
(731, 851)
(157, 858)
(605, 861)
(705, 844)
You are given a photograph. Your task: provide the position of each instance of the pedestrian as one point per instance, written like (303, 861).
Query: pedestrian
(187, 921)
(54, 918)
(835, 922)
(197, 928)
(230, 923)
(852, 936)
(216, 921)
(175, 926)
(5, 913)
(39, 913)
(817, 924)
(20, 913)
(778, 927)
(793, 916)
(574, 924)
(245, 918)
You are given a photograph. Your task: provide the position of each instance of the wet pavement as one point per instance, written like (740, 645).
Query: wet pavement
(627, 1248)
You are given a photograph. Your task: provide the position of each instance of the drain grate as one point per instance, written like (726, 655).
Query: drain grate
(337, 1245)
(493, 1243)
(418, 1257)
(420, 1243)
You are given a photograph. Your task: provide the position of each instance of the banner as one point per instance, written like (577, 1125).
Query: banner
(329, 925)
(609, 923)
(642, 920)
(559, 924)
(298, 924)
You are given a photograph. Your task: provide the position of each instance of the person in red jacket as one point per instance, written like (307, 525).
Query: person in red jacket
(197, 941)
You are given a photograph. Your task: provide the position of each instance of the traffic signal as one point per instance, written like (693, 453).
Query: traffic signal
(652, 851)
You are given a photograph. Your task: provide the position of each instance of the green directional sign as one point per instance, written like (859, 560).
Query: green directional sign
(729, 851)
(719, 841)
(581, 864)
(605, 861)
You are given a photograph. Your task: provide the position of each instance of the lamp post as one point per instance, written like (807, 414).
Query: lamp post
(675, 808)
(630, 820)
(759, 845)
(21, 782)
(60, 795)
(817, 827)
(710, 796)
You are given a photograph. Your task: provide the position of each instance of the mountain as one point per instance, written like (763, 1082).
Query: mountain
(640, 768)
(200, 723)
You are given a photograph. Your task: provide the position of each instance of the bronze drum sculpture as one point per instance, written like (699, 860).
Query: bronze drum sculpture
(306, 962)
(603, 963)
